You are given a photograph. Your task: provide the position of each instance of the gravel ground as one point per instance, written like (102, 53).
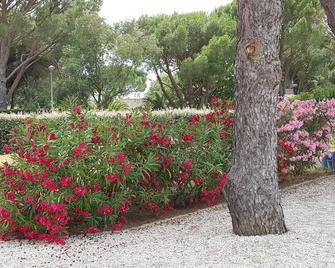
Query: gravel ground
(200, 239)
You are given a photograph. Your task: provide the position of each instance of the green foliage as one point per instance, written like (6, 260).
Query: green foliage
(305, 44)
(88, 171)
(318, 93)
(118, 105)
(6, 125)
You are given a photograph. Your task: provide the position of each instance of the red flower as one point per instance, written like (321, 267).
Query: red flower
(4, 237)
(29, 121)
(72, 125)
(95, 139)
(7, 149)
(222, 181)
(52, 136)
(195, 118)
(50, 185)
(183, 176)
(10, 196)
(76, 109)
(158, 183)
(105, 210)
(111, 160)
(117, 226)
(123, 207)
(83, 213)
(166, 161)
(89, 150)
(80, 191)
(93, 230)
(66, 161)
(187, 138)
(66, 181)
(214, 100)
(111, 177)
(122, 157)
(153, 206)
(127, 169)
(29, 199)
(187, 165)
(95, 188)
(198, 181)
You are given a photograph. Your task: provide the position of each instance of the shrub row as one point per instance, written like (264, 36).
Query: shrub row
(88, 171)
(10, 120)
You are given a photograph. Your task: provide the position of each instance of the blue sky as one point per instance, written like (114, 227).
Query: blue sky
(115, 11)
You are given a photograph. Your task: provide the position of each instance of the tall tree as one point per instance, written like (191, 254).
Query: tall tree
(329, 7)
(28, 30)
(95, 65)
(252, 190)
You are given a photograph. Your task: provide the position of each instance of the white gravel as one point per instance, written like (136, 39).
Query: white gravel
(200, 239)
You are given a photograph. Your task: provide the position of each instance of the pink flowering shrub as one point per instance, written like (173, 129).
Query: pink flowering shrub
(304, 131)
(88, 172)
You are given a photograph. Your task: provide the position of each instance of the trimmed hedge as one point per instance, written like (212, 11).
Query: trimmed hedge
(8, 121)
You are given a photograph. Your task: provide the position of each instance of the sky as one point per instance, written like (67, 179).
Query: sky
(115, 11)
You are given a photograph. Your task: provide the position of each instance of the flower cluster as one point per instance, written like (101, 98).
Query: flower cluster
(88, 172)
(304, 132)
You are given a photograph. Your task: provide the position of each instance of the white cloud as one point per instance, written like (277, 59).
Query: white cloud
(119, 10)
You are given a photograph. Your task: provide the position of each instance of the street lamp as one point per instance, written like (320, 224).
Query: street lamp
(51, 69)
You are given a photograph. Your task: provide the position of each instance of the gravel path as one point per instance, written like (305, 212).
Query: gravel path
(200, 239)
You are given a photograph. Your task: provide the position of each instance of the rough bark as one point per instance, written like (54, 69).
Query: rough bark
(252, 191)
(174, 84)
(161, 84)
(329, 7)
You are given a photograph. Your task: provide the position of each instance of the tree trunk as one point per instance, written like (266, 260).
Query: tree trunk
(4, 55)
(329, 7)
(3, 94)
(252, 191)
(166, 95)
(174, 84)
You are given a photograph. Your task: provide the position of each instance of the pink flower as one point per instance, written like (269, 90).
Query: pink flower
(153, 206)
(111, 177)
(66, 181)
(187, 138)
(183, 176)
(52, 136)
(187, 165)
(127, 169)
(122, 157)
(10, 196)
(80, 191)
(95, 139)
(76, 109)
(50, 185)
(117, 226)
(123, 207)
(93, 230)
(105, 210)
(7, 149)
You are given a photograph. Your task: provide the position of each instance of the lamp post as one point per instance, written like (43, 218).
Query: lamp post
(51, 69)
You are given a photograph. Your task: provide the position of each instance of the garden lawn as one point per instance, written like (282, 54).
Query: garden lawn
(200, 239)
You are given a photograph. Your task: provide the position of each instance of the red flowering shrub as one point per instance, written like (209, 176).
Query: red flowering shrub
(88, 172)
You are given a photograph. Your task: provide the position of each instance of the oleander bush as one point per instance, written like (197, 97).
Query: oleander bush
(87, 171)
(304, 132)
